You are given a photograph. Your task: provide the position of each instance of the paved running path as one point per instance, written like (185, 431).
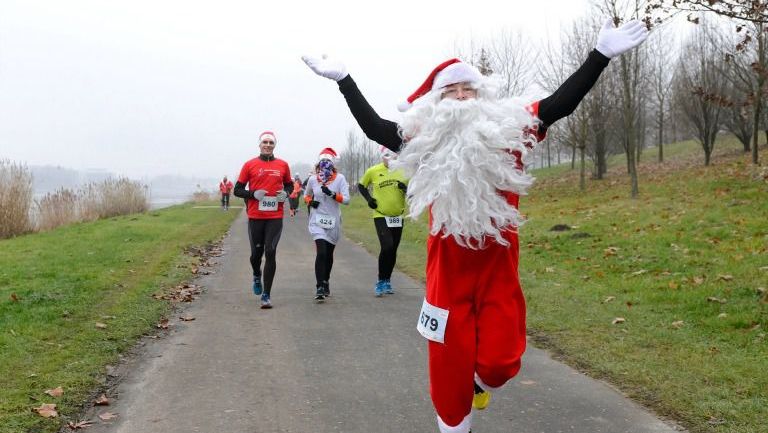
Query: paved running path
(354, 364)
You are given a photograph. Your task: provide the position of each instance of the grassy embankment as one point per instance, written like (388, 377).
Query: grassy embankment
(56, 286)
(685, 265)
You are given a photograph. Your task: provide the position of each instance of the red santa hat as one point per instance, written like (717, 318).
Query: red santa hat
(269, 135)
(449, 72)
(328, 153)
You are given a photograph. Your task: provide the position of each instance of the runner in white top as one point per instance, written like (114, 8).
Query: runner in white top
(325, 191)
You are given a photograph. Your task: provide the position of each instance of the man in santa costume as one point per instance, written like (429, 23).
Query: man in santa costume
(464, 150)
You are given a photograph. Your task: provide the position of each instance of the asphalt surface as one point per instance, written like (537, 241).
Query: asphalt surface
(354, 363)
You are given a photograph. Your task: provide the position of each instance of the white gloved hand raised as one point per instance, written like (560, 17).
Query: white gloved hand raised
(259, 194)
(614, 41)
(325, 67)
(281, 195)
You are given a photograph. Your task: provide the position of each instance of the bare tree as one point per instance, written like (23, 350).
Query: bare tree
(509, 54)
(700, 85)
(359, 154)
(632, 74)
(749, 19)
(661, 56)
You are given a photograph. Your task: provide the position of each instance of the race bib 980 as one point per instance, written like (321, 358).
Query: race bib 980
(268, 204)
(432, 322)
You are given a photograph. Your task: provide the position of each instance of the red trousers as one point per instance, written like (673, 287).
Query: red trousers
(485, 333)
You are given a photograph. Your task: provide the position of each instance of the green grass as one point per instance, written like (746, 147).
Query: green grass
(67, 280)
(694, 233)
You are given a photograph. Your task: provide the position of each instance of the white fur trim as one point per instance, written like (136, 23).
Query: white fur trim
(483, 385)
(463, 426)
(456, 73)
(403, 106)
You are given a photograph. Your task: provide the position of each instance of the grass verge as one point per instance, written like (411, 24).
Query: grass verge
(56, 286)
(685, 266)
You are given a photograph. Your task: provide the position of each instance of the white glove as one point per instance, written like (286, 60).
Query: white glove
(614, 41)
(325, 67)
(281, 195)
(259, 194)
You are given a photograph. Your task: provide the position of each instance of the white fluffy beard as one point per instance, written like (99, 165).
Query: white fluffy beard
(458, 157)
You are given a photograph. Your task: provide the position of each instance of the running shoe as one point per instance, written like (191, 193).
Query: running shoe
(481, 399)
(266, 303)
(379, 288)
(257, 286)
(388, 290)
(320, 294)
(327, 290)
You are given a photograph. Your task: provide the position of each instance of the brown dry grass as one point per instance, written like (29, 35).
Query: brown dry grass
(15, 199)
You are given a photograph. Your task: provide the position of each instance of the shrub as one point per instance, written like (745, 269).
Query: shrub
(15, 199)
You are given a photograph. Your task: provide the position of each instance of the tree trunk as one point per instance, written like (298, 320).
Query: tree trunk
(582, 174)
(629, 126)
(759, 95)
(661, 134)
(573, 157)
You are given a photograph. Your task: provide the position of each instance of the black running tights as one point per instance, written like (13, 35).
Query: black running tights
(264, 236)
(323, 261)
(389, 239)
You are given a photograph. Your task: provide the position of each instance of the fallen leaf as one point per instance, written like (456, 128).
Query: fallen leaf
(698, 280)
(640, 272)
(618, 320)
(79, 424)
(102, 401)
(187, 318)
(100, 325)
(722, 315)
(608, 299)
(163, 324)
(549, 269)
(55, 392)
(106, 416)
(678, 324)
(716, 299)
(726, 277)
(14, 297)
(673, 285)
(47, 410)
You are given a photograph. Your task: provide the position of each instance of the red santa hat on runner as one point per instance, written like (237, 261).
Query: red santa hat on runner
(449, 72)
(328, 154)
(267, 135)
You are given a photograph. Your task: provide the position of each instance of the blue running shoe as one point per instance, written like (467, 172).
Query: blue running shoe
(379, 288)
(257, 286)
(388, 290)
(319, 294)
(265, 302)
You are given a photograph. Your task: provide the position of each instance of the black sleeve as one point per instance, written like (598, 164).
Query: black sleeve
(241, 192)
(364, 192)
(382, 131)
(288, 187)
(568, 96)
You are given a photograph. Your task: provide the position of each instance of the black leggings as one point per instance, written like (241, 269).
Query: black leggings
(323, 262)
(389, 239)
(264, 236)
(225, 200)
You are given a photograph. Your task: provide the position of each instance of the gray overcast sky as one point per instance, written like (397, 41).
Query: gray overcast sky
(144, 88)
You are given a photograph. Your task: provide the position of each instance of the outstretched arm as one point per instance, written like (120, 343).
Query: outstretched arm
(611, 42)
(382, 131)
